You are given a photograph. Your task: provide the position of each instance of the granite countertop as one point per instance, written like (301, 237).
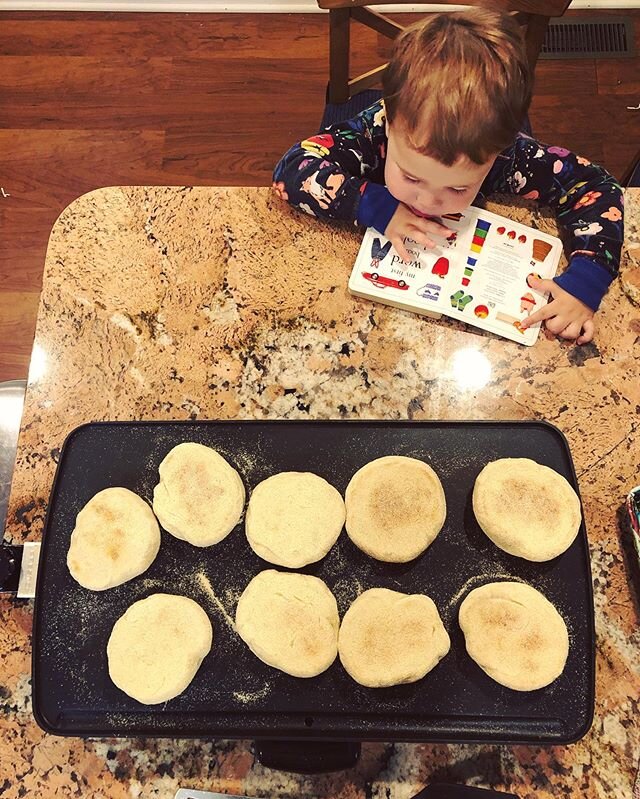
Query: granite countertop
(216, 303)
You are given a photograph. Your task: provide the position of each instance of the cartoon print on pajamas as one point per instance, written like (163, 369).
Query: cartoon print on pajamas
(588, 229)
(359, 157)
(320, 144)
(518, 182)
(380, 117)
(323, 195)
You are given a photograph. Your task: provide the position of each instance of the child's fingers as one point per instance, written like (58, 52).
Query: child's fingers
(441, 230)
(556, 325)
(422, 238)
(588, 329)
(427, 225)
(402, 251)
(546, 312)
(538, 284)
(571, 331)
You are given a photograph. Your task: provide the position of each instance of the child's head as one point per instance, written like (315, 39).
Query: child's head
(456, 91)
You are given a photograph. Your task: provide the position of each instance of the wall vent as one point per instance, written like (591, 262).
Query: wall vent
(589, 37)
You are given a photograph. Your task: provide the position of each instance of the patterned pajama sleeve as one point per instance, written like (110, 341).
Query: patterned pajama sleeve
(588, 204)
(339, 173)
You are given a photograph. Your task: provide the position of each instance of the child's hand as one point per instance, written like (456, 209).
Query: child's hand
(565, 316)
(405, 223)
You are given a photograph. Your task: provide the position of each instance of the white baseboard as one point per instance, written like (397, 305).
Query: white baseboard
(247, 6)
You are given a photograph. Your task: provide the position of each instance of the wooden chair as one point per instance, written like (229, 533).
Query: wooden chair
(533, 15)
(631, 175)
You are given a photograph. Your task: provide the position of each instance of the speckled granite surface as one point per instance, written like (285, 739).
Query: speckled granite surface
(177, 303)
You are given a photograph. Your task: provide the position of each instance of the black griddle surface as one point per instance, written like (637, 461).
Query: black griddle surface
(236, 695)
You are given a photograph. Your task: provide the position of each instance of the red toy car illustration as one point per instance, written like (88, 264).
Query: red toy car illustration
(383, 282)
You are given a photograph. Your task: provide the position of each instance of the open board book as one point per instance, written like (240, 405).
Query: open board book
(479, 276)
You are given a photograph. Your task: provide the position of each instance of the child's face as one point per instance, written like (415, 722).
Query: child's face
(426, 186)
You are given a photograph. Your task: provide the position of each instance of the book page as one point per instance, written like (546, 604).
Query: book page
(479, 276)
(419, 284)
(490, 289)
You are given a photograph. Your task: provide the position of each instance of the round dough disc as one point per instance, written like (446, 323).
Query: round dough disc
(116, 538)
(290, 621)
(156, 647)
(388, 638)
(200, 497)
(395, 508)
(294, 518)
(526, 509)
(514, 634)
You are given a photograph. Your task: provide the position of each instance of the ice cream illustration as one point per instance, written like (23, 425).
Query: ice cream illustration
(441, 268)
(527, 303)
(540, 251)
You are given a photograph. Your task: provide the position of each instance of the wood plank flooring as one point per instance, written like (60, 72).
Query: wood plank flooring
(90, 100)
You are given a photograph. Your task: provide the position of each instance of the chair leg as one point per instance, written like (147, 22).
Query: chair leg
(536, 31)
(339, 19)
(632, 172)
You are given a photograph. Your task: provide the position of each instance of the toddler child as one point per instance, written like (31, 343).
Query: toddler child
(445, 136)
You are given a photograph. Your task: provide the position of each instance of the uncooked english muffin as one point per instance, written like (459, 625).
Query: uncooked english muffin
(294, 518)
(156, 647)
(200, 497)
(515, 635)
(116, 538)
(388, 638)
(526, 509)
(395, 508)
(290, 621)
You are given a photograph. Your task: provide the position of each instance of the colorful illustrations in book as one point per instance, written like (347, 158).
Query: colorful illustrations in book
(378, 252)
(480, 275)
(477, 243)
(383, 282)
(441, 267)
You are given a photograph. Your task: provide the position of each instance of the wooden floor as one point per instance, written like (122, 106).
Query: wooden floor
(90, 100)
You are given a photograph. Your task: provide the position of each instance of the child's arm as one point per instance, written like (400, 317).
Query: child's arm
(589, 206)
(338, 174)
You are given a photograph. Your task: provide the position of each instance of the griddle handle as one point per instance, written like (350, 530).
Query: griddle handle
(442, 790)
(307, 757)
(10, 563)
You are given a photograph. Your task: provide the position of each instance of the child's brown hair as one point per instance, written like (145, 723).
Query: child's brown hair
(459, 84)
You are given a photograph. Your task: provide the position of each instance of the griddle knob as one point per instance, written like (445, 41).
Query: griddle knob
(19, 569)
(307, 757)
(10, 561)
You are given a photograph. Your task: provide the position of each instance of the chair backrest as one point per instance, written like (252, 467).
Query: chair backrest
(533, 15)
